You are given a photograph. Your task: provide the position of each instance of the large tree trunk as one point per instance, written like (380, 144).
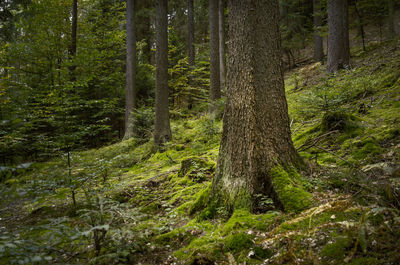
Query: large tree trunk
(256, 137)
(318, 41)
(191, 32)
(215, 89)
(130, 96)
(72, 47)
(162, 128)
(222, 60)
(338, 36)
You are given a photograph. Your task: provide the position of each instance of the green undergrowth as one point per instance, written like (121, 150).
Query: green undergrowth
(135, 204)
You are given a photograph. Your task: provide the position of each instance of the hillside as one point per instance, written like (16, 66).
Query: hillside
(137, 206)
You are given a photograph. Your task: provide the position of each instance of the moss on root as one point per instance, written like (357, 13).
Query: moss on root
(287, 185)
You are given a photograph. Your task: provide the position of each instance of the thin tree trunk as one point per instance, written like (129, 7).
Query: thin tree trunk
(162, 128)
(338, 36)
(222, 59)
(130, 93)
(394, 19)
(318, 41)
(72, 48)
(256, 132)
(215, 88)
(191, 33)
(361, 25)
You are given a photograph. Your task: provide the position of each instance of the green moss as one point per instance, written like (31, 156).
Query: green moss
(364, 261)
(238, 242)
(201, 200)
(289, 189)
(243, 219)
(367, 147)
(337, 249)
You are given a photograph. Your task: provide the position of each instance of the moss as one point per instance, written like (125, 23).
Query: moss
(289, 189)
(238, 242)
(208, 247)
(243, 219)
(201, 200)
(337, 249)
(368, 147)
(364, 261)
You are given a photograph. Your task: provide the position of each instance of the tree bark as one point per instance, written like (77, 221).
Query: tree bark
(318, 41)
(72, 47)
(215, 89)
(338, 36)
(394, 19)
(130, 96)
(256, 133)
(191, 33)
(222, 59)
(162, 127)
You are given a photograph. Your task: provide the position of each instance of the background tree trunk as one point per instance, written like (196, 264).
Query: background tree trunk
(191, 32)
(256, 132)
(130, 96)
(318, 41)
(338, 36)
(162, 127)
(215, 89)
(72, 48)
(222, 59)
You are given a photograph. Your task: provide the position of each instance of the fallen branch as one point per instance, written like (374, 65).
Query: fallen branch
(315, 141)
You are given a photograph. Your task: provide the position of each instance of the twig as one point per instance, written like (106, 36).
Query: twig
(335, 155)
(315, 141)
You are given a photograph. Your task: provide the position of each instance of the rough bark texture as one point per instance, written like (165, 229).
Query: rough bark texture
(215, 88)
(338, 36)
(222, 59)
(72, 47)
(191, 32)
(162, 130)
(318, 41)
(130, 92)
(256, 133)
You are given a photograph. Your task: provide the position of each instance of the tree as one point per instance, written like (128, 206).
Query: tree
(318, 41)
(162, 127)
(394, 18)
(72, 48)
(215, 89)
(191, 32)
(338, 36)
(256, 141)
(130, 94)
(222, 60)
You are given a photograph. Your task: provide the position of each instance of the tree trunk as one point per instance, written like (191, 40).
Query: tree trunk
(191, 33)
(215, 89)
(222, 60)
(394, 19)
(162, 128)
(130, 97)
(256, 135)
(361, 24)
(338, 36)
(318, 41)
(72, 47)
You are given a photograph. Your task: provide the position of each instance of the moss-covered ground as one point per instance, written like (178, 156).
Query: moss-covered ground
(134, 205)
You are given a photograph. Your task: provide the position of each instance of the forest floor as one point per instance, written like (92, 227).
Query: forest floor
(137, 206)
